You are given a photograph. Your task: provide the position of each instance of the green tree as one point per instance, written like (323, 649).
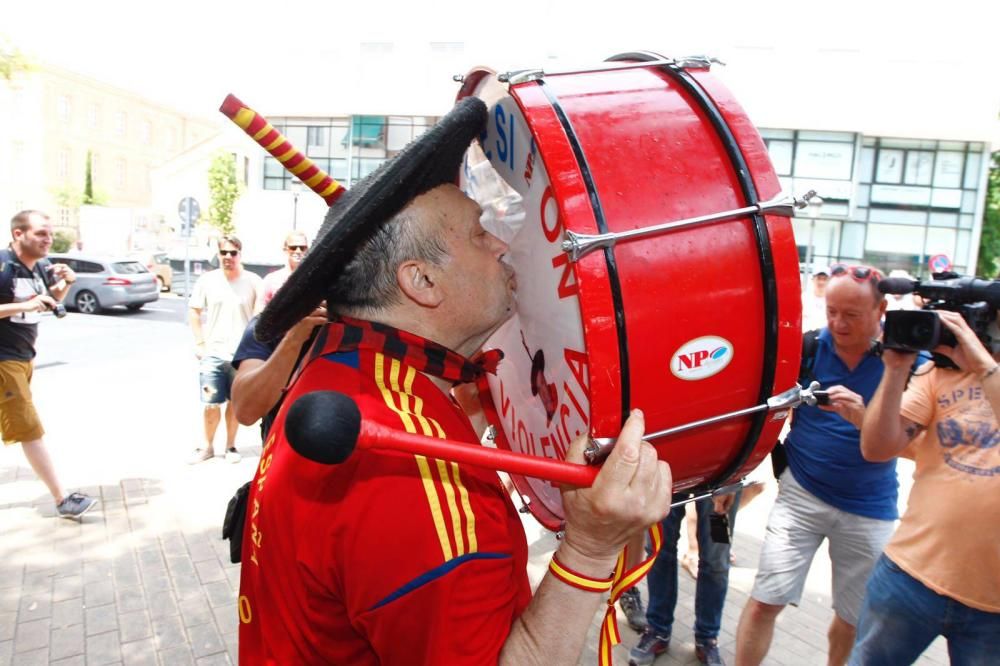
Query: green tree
(12, 61)
(88, 181)
(224, 190)
(62, 241)
(989, 242)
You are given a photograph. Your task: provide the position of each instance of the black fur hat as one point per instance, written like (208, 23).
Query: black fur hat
(431, 160)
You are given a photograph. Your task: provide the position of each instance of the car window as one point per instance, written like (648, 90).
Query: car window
(64, 260)
(88, 267)
(128, 267)
(160, 259)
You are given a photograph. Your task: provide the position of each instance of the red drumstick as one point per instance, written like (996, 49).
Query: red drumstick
(326, 427)
(274, 142)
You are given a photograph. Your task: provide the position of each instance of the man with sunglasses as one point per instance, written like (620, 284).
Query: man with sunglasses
(295, 247)
(829, 491)
(939, 574)
(228, 297)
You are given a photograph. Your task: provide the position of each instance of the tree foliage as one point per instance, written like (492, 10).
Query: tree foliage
(989, 242)
(88, 181)
(224, 190)
(62, 241)
(12, 61)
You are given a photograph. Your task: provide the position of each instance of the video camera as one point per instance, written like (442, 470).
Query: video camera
(921, 330)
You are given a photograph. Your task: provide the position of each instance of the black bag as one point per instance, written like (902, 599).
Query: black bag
(236, 518)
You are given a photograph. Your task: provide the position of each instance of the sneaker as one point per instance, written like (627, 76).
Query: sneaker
(631, 604)
(75, 505)
(233, 456)
(650, 646)
(708, 653)
(200, 455)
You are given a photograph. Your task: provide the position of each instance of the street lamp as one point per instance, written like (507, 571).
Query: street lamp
(296, 188)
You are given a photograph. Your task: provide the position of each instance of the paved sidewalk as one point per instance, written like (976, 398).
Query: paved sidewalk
(147, 580)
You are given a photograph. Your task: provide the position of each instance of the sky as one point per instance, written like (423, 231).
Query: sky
(308, 57)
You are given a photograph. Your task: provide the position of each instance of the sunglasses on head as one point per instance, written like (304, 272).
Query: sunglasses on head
(229, 253)
(296, 248)
(858, 273)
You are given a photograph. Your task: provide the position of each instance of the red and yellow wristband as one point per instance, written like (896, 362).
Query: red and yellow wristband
(578, 580)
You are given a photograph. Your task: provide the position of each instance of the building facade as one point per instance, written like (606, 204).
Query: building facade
(890, 202)
(56, 120)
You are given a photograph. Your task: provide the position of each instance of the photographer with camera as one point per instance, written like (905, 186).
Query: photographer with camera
(939, 574)
(26, 290)
(829, 491)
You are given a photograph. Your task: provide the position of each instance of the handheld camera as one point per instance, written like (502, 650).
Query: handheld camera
(921, 330)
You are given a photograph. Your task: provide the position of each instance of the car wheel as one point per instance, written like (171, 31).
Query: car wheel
(87, 303)
(134, 306)
(160, 284)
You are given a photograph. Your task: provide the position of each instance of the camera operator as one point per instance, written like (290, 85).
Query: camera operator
(940, 574)
(24, 293)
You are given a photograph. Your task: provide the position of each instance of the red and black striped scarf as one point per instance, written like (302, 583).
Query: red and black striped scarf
(346, 334)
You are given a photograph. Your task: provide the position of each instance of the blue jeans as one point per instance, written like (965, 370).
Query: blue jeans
(901, 616)
(713, 576)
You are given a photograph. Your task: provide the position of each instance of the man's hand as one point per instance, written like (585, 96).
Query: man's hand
(631, 492)
(723, 503)
(299, 333)
(848, 404)
(63, 272)
(40, 303)
(970, 355)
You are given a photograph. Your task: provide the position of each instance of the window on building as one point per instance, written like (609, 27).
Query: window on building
(17, 160)
(64, 108)
(120, 172)
(64, 216)
(63, 163)
(121, 123)
(172, 139)
(147, 132)
(94, 117)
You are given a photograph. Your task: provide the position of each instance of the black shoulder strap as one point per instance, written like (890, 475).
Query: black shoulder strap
(7, 271)
(810, 343)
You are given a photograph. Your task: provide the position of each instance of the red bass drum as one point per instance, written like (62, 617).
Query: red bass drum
(599, 180)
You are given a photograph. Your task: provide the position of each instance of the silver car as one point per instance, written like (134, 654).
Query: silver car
(104, 282)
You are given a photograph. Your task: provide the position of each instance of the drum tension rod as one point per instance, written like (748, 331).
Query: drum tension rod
(598, 448)
(578, 245)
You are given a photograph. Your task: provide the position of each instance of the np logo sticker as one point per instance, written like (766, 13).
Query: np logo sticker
(701, 358)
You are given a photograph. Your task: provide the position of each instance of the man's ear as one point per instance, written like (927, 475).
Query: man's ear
(416, 280)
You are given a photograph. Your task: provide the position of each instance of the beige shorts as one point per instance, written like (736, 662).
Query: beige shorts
(798, 524)
(19, 421)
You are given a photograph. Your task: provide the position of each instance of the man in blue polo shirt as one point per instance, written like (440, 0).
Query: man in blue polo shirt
(829, 490)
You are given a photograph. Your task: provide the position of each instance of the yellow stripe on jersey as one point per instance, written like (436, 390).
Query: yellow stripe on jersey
(425, 471)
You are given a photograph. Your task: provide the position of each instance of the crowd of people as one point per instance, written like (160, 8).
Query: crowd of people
(408, 559)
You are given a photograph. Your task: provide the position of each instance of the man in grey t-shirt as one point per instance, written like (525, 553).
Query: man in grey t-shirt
(227, 297)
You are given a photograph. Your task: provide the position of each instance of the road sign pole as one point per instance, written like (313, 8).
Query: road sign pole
(187, 250)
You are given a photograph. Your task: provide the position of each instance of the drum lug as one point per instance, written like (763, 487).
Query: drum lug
(521, 76)
(698, 62)
(577, 245)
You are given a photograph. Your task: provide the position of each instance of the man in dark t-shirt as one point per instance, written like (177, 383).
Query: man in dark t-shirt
(263, 369)
(29, 286)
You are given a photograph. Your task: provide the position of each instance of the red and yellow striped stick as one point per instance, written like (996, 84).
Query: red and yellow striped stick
(271, 140)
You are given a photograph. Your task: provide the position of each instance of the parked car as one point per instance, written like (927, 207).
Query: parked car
(104, 282)
(159, 265)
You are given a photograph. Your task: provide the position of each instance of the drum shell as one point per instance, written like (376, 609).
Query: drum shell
(631, 148)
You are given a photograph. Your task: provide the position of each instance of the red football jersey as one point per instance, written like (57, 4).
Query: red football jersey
(387, 558)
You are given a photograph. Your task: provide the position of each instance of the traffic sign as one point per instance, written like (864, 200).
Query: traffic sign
(190, 211)
(939, 263)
